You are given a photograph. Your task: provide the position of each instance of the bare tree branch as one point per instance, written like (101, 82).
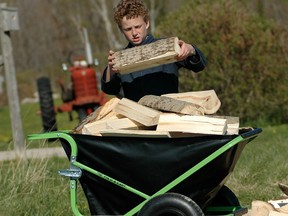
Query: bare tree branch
(153, 14)
(76, 19)
(101, 7)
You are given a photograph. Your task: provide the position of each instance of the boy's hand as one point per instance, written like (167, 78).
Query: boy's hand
(111, 62)
(185, 51)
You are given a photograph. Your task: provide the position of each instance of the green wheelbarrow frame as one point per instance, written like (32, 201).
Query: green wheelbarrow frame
(75, 172)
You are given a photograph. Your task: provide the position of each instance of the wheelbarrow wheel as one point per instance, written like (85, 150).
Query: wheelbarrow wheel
(170, 204)
(46, 104)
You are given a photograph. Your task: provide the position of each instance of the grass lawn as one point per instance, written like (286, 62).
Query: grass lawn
(262, 165)
(33, 187)
(32, 123)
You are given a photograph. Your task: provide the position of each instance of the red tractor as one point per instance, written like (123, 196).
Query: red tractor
(82, 96)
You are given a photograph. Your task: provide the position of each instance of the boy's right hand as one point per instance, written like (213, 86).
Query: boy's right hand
(111, 62)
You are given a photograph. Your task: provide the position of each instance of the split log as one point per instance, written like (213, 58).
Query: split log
(135, 133)
(206, 99)
(93, 128)
(260, 208)
(104, 111)
(191, 124)
(232, 124)
(107, 108)
(275, 213)
(124, 123)
(137, 112)
(160, 52)
(171, 105)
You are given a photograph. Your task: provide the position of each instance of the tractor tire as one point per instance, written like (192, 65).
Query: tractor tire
(225, 197)
(46, 104)
(171, 204)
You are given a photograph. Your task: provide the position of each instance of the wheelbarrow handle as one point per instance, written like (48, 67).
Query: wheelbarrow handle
(251, 133)
(57, 134)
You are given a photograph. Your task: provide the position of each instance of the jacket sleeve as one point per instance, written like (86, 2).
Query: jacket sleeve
(195, 62)
(113, 86)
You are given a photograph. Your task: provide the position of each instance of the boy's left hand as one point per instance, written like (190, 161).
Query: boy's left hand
(185, 51)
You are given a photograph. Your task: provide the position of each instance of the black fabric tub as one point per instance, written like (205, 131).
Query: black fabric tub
(148, 164)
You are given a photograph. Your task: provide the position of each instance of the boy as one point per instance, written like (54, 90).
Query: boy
(132, 18)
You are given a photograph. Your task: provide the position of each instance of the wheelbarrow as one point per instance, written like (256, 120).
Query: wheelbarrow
(153, 176)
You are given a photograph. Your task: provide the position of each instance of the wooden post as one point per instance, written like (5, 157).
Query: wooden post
(8, 22)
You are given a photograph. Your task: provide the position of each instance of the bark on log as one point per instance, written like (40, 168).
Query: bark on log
(207, 99)
(283, 188)
(171, 105)
(142, 57)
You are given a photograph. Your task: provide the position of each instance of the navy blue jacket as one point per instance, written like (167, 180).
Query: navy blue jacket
(158, 80)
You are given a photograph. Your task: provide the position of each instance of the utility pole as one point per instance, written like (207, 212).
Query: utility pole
(9, 22)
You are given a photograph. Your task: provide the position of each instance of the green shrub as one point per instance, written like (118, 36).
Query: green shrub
(246, 58)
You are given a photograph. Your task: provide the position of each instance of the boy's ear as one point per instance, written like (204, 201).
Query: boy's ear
(147, 24)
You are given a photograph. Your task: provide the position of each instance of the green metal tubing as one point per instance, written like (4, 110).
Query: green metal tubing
(189, 172)
(57, 134)
(73, 197)
(107, 178)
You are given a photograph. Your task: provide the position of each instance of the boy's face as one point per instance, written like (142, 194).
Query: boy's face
(135, 29)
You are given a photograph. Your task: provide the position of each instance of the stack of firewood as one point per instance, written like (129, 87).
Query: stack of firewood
(170, 115)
